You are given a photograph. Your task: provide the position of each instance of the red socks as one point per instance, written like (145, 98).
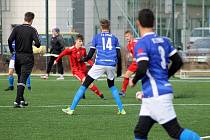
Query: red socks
(96, 90)
(125, 84)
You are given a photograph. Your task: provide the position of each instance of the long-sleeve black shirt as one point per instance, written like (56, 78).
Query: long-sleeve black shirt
(57, 44)
(24, 35)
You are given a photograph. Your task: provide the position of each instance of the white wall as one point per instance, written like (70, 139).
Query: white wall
(118, 25)
(58, 15)
(89, 21)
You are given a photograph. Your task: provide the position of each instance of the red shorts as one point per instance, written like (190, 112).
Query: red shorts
(79, 75)
(133, 67)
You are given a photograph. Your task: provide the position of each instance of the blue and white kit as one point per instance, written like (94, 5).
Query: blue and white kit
(106, 57)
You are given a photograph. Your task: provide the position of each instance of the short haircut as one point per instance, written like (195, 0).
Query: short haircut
(128, 32)
(146, 18)
(29, 16)
(105, 24)
(56, 29)
(79, 36)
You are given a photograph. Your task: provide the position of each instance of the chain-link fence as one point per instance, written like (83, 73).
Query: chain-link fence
(187, 26)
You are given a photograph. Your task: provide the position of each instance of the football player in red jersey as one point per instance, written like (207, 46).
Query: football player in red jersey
(132, 68)
(79, 68)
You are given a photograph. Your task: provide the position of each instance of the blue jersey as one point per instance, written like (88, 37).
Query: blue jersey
(13, 55)
(156, 50)
(106, 44)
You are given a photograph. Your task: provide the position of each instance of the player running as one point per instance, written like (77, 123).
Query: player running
(153, 54)
(107, 56)
(78, 68)
(132, 68)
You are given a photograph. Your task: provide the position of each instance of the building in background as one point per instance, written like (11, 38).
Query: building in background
(83, 16)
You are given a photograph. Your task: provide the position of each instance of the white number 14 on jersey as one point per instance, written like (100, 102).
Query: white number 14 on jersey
(108, 44)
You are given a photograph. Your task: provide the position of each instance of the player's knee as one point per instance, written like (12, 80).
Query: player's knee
(173, 128)
(88, 81)
(11, 72)
(110, 83)
(128, 74)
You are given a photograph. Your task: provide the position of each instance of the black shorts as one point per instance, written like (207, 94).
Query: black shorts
(24, 63)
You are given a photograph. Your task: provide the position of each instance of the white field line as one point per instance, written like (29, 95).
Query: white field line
(118, 79)
(205, 137)
(111, 105)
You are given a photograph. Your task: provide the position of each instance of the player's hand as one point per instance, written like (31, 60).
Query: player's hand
(131, 84)
(139, 95)
(55, 62)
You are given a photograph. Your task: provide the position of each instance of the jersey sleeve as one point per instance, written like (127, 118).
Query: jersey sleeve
(141, 52)
(94, 42)
(117, 43)
(172, 50)
(11, 39)
(36, 39)
(63, 53)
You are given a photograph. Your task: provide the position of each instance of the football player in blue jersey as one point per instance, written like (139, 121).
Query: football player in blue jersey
(153, 54)
(107, 57)
(11, 71)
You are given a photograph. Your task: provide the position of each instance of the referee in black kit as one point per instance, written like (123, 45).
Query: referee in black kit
(23, 35)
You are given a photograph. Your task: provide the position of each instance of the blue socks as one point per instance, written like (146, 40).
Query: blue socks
(116, 97)
(29, 81)
(77, 97)
(11, 80)
(81, 92)
(189, 135)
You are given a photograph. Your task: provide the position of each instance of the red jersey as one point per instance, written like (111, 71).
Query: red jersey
(131, 46)
(74, 55)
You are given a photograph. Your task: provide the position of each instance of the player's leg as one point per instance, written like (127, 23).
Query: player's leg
(125, 82)
(11, 80)
(167, 117)
(94, 73)
(131, 70)
(60, 70)
(29, 82)
(79, 94)
(24, 70)
(143, 127)
(82, 76)
(176, 132)
(95, 89)
(49, 67)
(18, 96)
(115, 93)
(10, 75)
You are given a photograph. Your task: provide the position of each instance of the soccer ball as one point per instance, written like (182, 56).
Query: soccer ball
(139, 95)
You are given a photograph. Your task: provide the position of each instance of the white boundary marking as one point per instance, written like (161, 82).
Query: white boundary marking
(205, 137)
(111, 105)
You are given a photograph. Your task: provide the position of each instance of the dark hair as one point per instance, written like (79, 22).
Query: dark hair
(56, 29)
(79, 36)
(29, 16)
(128, 32)
(146, 18)
(105, 24)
